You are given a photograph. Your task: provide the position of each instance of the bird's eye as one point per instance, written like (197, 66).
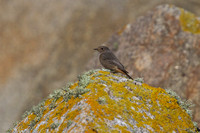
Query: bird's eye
(101, 48)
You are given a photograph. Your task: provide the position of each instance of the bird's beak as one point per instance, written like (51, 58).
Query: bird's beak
(95, 48)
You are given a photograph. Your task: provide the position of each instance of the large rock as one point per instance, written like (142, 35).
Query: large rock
(104, 102)
(163, 47)
(45, 43)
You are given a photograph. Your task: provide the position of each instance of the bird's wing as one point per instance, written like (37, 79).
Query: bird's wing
(112, 59)
(117, 63)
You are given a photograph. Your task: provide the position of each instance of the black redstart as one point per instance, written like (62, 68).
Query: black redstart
(110, 61)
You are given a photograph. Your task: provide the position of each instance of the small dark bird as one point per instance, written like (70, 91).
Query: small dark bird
(110, 61)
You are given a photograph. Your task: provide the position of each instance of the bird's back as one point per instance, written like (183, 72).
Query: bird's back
(109, 60)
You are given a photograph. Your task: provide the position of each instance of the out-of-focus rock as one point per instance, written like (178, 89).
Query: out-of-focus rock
(45, 43)
(163, 47)
(105, 102)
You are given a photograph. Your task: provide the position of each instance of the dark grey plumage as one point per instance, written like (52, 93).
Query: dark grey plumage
(110, 61)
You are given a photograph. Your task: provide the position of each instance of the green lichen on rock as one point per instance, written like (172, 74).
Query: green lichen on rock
(189, 22)
(54, 125)
(185, 104)
(101, 100)
(69, 123)
(108, 103)
(32, 124)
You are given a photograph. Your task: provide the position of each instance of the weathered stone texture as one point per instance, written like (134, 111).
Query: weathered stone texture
(162, 46)
(104, 102)
(45, 43)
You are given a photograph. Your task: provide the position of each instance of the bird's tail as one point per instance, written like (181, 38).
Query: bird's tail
(125, 72)
(129, 76)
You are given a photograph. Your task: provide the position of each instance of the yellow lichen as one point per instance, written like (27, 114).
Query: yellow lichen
(189, 22)
(146, 105)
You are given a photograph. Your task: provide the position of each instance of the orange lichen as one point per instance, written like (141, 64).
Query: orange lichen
(122, 128)
(112, 105)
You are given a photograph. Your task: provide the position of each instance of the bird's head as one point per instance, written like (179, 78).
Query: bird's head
(102, 49)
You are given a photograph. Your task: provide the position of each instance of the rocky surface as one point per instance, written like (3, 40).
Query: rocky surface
(45, 43)
(163, 47)
(105, 102)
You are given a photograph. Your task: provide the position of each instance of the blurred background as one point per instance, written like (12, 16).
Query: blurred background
(46, 44)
